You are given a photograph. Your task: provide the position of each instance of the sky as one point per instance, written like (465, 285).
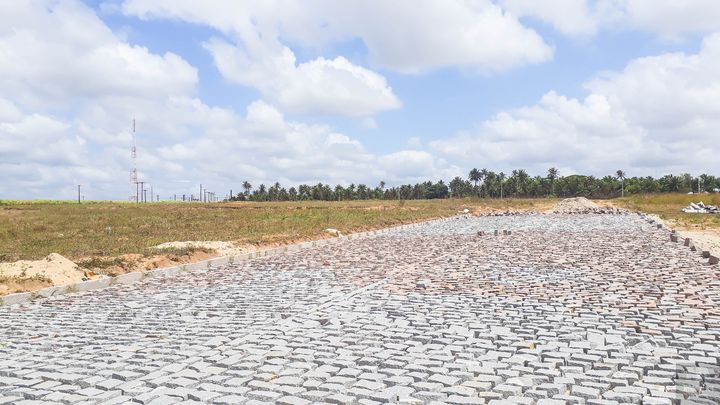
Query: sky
(341, 92)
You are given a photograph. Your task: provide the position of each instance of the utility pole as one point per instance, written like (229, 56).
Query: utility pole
(78, 193)
(142, 191)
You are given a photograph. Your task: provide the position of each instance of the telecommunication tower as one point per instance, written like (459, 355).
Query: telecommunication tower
(134, 174)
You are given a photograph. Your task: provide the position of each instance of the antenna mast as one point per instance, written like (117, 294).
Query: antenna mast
(134, 173)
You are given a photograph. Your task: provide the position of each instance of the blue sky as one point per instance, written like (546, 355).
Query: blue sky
(426, 97)
(350, 92)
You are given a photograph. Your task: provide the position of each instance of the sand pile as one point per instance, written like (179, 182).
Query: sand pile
(574, 205)
(56, 268)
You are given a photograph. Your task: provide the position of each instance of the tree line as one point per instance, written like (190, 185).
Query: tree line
(489, 184)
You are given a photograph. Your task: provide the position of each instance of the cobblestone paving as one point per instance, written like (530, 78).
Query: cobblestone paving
(594, 309)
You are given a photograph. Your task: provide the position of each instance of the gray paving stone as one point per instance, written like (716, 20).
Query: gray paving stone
(230, 400)
(561, 309)
(292, 400)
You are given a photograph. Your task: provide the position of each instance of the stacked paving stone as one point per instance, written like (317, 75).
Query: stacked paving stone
(553, 309)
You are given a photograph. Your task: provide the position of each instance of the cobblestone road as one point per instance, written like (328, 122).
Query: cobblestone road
(596, 309)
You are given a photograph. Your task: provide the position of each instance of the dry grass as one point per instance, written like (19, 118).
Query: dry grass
(13, 284)
(33, 230)
(668, 207)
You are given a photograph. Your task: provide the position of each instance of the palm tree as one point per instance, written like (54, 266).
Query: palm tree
(704, 182)
(552, 175)
(474, 176)
(247, 187)
(339, 191)
(502, 178)
(621, 176)
(484, 173)
(261, 193)
(522, 178)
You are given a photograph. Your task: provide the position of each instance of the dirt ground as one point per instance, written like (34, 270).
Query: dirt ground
(136, 262)
(222, 248)
(705, 240)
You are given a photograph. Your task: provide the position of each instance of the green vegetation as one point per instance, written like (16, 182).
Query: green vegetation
(174, 253)
(102, 262)
(23, 278)
(486, 183)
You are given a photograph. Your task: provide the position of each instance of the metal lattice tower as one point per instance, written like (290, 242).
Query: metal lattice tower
(134, 174)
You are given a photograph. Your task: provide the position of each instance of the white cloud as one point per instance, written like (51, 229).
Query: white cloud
(59, 50)
(407, 36)
(673, 95)
(60, 127)
(668, 19)
(412, 166)
(571, 17)
(328, 86)
(418, 36)
(299, 153)
(70, 89)
(658, 115)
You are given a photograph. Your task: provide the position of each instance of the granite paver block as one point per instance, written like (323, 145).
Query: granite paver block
(583, 308)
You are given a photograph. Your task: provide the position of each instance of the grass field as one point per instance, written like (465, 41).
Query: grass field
(32, 230)
(668, 207)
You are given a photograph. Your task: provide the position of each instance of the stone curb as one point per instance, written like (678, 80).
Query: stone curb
(129, 278)
(674, 237)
